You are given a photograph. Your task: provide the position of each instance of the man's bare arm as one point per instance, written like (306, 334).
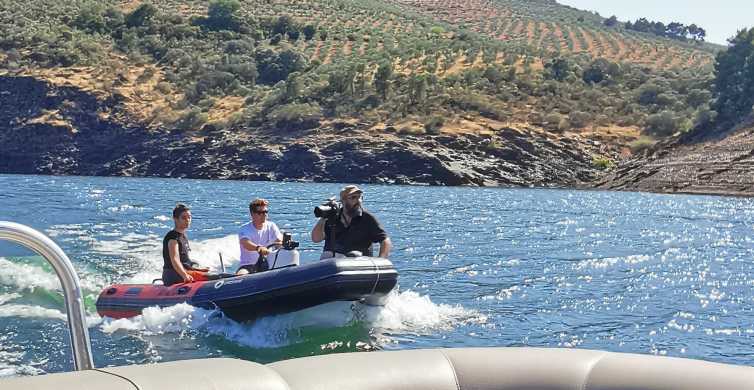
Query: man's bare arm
(318, 232)
(385, 246)
(248, 245)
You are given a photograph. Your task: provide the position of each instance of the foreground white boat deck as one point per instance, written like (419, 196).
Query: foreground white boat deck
(429, 369)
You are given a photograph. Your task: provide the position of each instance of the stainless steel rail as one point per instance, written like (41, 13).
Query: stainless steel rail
(74, 303)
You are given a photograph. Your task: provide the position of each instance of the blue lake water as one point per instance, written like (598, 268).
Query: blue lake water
(626, 272)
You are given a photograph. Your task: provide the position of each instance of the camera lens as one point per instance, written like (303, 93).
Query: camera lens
(322, 211)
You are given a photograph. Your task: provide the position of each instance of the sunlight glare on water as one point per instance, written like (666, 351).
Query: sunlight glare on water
(627, 272)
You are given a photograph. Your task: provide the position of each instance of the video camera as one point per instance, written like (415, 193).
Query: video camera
(328, 210)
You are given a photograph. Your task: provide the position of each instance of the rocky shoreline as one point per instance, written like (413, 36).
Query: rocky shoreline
(723, 165)
(46, 129)
(58, 130)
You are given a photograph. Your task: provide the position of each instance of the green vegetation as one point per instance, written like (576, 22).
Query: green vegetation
(734, 81)
(673, 30)
(602, 162)
(642, 144)
(294, 64)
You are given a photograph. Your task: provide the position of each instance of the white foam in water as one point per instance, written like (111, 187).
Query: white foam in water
(146, 250)
(123, 207)
(410, 312)
(9, 365)
(25, 276)
(406, 312)
(265, 332)
(206, 252)
(128, 244)
(29, 277)
(27, 311)
(280, 330)
(4, 298)
(156, 320)
(33, 311)
(66, 230)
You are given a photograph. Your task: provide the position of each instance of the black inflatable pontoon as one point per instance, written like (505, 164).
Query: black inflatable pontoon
(276, 291)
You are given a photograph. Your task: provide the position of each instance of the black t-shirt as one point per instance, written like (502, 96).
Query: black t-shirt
(358, 236)
(183, 249)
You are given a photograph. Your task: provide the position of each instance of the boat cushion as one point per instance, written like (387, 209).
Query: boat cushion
(201, 374)
(435, 369)
(76, 380)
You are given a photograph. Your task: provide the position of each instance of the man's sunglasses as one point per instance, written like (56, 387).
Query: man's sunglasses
(261, 211)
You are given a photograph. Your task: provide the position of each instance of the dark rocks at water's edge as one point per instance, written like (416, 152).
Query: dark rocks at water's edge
(720, 166)
(65, 131)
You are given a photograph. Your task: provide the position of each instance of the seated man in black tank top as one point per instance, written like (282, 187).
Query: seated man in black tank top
(178, 267)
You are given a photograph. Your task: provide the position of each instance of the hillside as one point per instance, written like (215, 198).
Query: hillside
(551, 29)
(721, 166)
(458, 92)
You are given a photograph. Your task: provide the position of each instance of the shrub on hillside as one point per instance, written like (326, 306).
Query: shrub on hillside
(141, 15)
(601, 70)
(296, 116)
(274, 67)
(602, 162)
(192, 120)
(558, 69)
(698, 97)
(579, 119)
(478, 103)
(641, 144)
(555, 122)
(647, 94)
(494, 74)
(663, 124)
(212, 83)
(239, 46)
(95, 18)
(221, 15)
(309, 31)
(705, 117)
(434, 125)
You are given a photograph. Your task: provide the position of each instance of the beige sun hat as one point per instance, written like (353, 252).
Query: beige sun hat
(349, 190)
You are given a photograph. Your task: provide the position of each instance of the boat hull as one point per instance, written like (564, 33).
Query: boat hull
(246, 297)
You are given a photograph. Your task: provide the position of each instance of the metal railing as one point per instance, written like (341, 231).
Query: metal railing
(74, 302)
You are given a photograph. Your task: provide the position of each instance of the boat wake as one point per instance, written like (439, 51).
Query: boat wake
(412, 313)
(404, 313)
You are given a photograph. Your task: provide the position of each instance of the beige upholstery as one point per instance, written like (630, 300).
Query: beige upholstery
(201, 374)
(440, 369)
(523, 368)
(418, 369)
(634, 372)
(81, 380)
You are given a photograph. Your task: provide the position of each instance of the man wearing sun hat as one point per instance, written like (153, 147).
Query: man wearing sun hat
(353, 229)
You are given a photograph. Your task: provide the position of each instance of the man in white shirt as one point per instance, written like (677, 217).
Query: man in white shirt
(256, 235)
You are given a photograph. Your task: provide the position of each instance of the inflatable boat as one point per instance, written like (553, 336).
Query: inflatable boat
(437, 369)
(285, 288)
